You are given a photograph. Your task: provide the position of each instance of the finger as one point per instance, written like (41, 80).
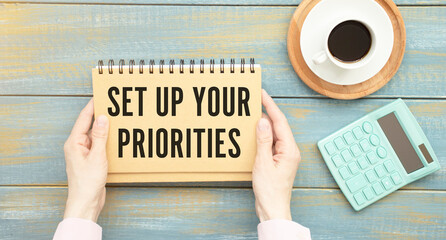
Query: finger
(264, 115)
(264, 142)
(88, 142)
(99, 134)
(280, 124)
(83, 122)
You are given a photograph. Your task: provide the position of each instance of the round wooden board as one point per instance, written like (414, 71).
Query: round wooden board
(346, 91)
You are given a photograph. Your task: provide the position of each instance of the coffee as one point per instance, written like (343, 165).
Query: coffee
(349, 41)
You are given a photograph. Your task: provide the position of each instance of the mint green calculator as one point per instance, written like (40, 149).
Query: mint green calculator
(377, 154)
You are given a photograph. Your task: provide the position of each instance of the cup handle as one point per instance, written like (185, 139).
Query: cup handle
(319, 58)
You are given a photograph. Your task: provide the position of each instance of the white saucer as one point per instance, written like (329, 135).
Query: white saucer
(318, 24)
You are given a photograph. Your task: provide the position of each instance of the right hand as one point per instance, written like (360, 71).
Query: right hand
(275, 164)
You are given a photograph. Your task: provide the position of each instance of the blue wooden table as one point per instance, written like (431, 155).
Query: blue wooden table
(47, 49)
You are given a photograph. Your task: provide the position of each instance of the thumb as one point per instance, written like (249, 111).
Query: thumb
(264, 140)
(99, 134)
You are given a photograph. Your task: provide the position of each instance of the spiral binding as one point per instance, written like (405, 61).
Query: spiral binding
(172, 64)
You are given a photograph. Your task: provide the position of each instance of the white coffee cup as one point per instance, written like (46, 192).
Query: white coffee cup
(325, 54)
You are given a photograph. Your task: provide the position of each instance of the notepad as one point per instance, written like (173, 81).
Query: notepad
(179, 122)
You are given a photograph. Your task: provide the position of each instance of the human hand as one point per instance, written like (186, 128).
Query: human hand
(86, 165)
(275, 165)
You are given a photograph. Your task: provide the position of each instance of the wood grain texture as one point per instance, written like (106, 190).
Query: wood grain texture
(218, 2)
(49, 48)
(354, 91)
(152, 213)
(33, 130)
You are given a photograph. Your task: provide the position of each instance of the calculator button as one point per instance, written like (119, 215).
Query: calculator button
(330, 147)
(380, 171)
(365, 145)
(355, 183)
(348, 137)
(389, 166)
(382, 153)
(368, 193)
(396, 178)
(362, 162)
(339, 143)
(358, 133)
(372, 157)
(353, 168)
(344, 173)
(355, 150)
(378, 188)
(374, 140)
(371, 176)
(337, 160)
(367, 127)
(346, 155)
(387, 183)
(359, 198)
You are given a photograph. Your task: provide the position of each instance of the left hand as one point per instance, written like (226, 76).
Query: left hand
(86, 165)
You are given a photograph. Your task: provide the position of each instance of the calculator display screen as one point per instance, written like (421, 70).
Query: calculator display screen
(400, 142)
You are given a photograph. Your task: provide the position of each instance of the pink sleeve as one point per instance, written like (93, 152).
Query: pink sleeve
(282, 230)
(77, 228)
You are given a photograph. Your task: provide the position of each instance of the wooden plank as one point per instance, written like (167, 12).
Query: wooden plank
(33, 130)
(50, 48)
(157, 213)
(203, 2)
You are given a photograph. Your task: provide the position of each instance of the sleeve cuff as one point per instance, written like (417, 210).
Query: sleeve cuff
(77, 228)
(278, 229)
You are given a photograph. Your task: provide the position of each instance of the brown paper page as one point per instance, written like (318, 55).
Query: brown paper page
(139, 122)
(178, 177)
